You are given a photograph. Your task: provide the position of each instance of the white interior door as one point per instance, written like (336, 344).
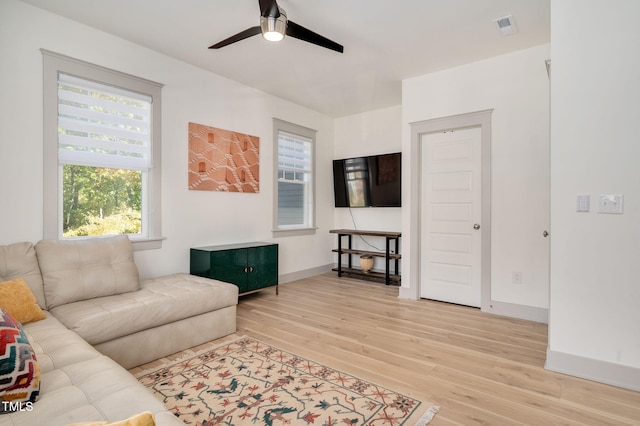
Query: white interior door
(451, 246)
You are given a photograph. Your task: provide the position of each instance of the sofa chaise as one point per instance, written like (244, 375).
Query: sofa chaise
(101, 319)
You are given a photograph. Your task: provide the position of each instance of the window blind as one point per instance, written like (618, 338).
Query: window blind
(294, 154)
(102, 126)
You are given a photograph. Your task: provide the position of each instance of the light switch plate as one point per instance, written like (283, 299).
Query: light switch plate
(610, 204)
(583, 203)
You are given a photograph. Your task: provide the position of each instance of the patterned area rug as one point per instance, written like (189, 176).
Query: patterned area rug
(247, 382)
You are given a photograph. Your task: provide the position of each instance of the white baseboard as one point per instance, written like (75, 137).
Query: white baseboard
(591, 369)
(514, 310)
(299, 275)
(407, 293)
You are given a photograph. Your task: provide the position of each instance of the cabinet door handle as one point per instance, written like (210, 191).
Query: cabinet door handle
(250, 268)
(246, 269)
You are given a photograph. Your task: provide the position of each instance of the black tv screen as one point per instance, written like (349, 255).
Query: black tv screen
(373, 181)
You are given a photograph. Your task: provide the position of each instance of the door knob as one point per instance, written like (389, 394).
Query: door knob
(476, 226)
(545, 234)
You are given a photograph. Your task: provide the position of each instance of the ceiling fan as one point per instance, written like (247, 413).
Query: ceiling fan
(274, 25)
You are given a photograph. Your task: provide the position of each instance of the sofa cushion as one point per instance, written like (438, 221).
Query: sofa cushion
(19, 370)
(17, 298)
(160, 301)
(19, 260)
(56, 346)
(85, 269)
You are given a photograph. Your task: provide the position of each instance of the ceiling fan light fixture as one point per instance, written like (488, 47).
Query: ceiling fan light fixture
(274, 29)
(274, 25)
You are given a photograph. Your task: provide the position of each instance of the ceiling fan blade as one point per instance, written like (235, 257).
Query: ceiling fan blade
(297, 31)
(240, 36)
(269, 8)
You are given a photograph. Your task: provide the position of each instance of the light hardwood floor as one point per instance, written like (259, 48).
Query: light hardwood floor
(481, 369)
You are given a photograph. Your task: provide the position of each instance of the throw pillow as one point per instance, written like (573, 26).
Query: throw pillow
(19, 370)
(142, 419)
(17, 298)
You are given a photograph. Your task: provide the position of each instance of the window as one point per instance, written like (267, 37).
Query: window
(295, 198)
(102, 152)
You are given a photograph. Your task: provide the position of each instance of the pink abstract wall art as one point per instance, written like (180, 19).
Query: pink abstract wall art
(223, 160)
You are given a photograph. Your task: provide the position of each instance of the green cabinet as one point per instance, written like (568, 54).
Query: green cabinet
(250, 266)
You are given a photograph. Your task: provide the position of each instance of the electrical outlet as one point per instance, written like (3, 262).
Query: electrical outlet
(610, 204)
(516, 277)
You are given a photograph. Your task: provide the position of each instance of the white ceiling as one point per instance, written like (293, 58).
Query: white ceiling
(384, 42)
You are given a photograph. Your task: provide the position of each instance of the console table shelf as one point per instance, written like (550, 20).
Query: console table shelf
(393, 278)
(390, 254)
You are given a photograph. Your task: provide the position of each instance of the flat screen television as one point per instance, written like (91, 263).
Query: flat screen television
(373, 181)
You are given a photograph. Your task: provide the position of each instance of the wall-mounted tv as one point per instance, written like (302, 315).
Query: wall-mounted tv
(373, 181)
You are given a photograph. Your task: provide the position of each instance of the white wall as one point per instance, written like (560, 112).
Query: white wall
(516, 87)
(369, 133)
(190, 218)
(594, 328)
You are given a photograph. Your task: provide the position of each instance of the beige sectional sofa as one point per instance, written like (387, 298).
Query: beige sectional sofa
(100, 320)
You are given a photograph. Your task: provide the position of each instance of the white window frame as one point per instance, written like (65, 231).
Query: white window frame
(309, 228)
(53, 65)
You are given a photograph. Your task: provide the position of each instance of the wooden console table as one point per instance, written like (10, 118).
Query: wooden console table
(388, 254)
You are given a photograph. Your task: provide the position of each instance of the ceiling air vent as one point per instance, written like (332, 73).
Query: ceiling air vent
(506, 25)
